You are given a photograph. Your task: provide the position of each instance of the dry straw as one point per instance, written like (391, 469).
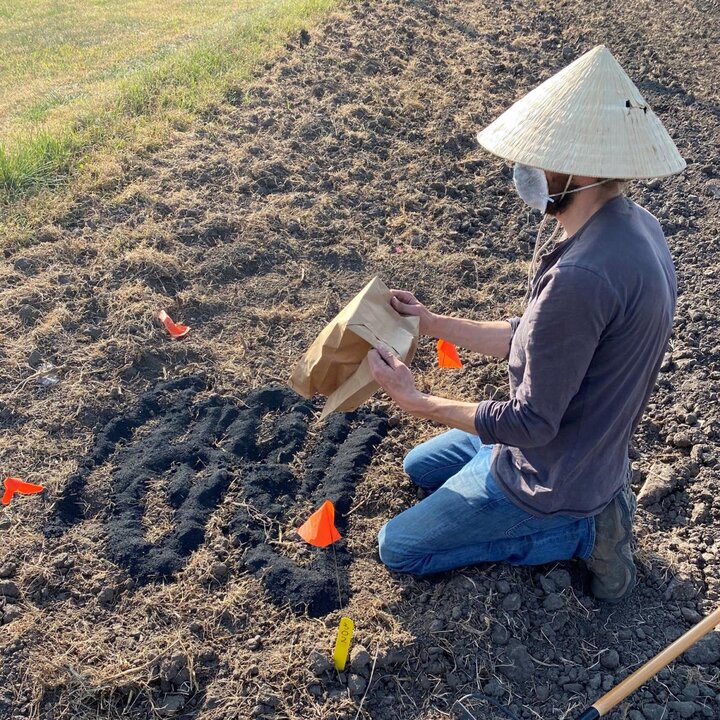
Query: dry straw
(589, 119)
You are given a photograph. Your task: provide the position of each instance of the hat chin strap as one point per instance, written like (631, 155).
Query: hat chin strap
(537, 252)
(541, 247)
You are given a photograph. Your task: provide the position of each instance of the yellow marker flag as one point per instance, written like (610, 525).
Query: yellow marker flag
(342, 644)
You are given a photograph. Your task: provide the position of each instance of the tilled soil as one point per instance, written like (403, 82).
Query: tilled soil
(159, 574)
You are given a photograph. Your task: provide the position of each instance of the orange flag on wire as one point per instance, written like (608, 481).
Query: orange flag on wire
(16, 485)
(319, 529)
(175, 329)
(448, 355)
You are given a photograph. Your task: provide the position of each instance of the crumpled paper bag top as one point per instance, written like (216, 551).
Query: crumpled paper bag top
(336, 363)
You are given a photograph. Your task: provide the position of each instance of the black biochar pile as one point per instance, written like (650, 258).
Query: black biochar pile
(192, 447)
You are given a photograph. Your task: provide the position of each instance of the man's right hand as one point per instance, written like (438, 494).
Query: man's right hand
(489, 338)
(406, 303)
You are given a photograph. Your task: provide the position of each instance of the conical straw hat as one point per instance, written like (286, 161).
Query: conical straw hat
(590, 120)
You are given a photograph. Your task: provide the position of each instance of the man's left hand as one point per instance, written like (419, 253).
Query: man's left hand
(393, 376)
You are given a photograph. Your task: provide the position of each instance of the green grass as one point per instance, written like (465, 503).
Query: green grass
(81, 75)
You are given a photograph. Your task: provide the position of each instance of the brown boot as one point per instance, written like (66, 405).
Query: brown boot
(611, 561)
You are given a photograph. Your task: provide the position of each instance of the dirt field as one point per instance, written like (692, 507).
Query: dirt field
(159, 574)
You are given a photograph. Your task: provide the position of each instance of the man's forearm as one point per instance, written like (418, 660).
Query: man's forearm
(489, 338)
(453, 413)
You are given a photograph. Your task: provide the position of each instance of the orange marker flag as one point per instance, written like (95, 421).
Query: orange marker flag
(448, 355)
(319, 529)
(175, 329)
(16, 485)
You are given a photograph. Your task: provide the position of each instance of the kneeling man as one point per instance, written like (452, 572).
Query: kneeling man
(544, 476)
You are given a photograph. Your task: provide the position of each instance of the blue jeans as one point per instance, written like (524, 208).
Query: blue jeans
(467, 519)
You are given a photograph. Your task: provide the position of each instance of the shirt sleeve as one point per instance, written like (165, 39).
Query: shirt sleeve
(514, 322)
(565, 323)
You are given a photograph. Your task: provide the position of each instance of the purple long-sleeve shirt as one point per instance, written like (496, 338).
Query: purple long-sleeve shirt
(583, 361)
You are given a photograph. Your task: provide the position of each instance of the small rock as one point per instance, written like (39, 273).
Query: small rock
(705, 651)
(660, 482)
(171, 705)
(62, 562)
(12, 612)
(7, 570)
(360, 659)
(106, 596)
(319, 663)
(548, 584)
(684, 708)
(9, 589)
(713, 190)
(196, 629)
(653, 711)
(499, 635)
(23, 265)
(698, 513)
(610, 659)
(255, 643)
(542, 692)
(691, 615)
(393, 658)
(512, 602)
(553, 602)
(220, 572)
(516, 664)
(356, 684)
(561, 578)
(682, 439)
(271, 700)
(28, 314)
(503, 587)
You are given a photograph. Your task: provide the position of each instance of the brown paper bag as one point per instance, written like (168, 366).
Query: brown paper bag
(336, 363)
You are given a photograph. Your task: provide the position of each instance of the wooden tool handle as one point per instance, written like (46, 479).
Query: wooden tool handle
(631, 683)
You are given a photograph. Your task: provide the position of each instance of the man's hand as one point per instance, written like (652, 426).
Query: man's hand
(406, 303)
(397, 381)
(394, 377)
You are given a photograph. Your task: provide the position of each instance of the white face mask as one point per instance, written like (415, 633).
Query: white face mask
(532, 186)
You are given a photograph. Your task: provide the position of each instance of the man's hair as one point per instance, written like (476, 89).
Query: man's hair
(615, 183)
